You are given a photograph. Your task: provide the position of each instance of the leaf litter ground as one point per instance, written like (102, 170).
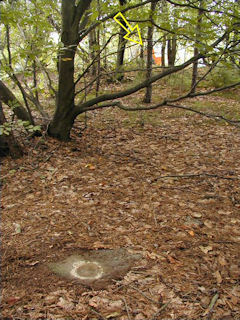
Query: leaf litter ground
(167, 190)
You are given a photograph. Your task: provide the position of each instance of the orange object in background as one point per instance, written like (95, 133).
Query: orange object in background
(157, 60)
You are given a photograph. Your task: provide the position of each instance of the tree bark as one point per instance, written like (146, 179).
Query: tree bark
(121, 49)
(92, 49)
(9, 99)
(148, 94)
(163, 51)
(98, 64)
(172, 50)
(196, 51)
(164, 39)
(66, 110)
(65, 115)
(141, 60)
(194, 70)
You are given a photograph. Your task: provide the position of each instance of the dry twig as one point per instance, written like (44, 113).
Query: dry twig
(126, 307)
(164, 306)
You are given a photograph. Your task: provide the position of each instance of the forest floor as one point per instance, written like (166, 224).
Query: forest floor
(164, 184)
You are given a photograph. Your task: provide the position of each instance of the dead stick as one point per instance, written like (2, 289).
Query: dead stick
(98, 313)
(143, 294)
(126, 307)
(211, 306)
(200, 175)
(160, 310)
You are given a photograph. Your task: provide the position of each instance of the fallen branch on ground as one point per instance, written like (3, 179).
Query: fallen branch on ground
(198, 175)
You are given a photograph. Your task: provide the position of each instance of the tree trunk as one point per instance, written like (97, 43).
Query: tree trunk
(35, 81)
(105, 62)
(8, 144)
(65, 114)
(61, 125)
(92, 49)
(164, 39)
(9, 99)
(13, 76)
(141, 60)
(98, 64)
(148, 94)
(172, 50)
(196, 51)
(63, 118)
(194, 70)
(142, 52)
(163, 51)
(121, 48)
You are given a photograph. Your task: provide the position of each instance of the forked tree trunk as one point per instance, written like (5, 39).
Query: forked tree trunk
(65, 114)
(63, 119)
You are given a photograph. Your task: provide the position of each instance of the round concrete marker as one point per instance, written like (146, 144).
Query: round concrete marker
(87, 270)
(96, 268)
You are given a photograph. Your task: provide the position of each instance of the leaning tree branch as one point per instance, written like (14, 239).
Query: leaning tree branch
(112, 96)
(13, 75)
(204, 93)
(207, 115)
(190, 5)
(9, 99)
(106, 97)
(167, 103)
(164, 104)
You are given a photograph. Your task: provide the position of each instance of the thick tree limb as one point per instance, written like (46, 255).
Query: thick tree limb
(86, 106)
(106, 97)
(80, 9)
(204, 93)
(9, 99)
(167, 103)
